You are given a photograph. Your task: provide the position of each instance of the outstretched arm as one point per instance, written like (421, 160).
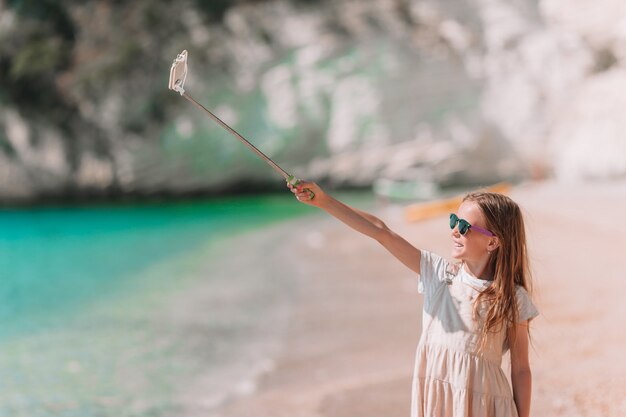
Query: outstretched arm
(362, 222)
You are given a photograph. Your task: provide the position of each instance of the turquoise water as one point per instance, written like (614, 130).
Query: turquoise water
(59, 258)
(87, 295)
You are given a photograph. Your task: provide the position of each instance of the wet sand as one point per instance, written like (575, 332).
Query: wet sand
(349, 347)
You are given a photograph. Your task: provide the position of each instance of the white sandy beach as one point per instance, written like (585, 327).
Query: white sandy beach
(348, 349)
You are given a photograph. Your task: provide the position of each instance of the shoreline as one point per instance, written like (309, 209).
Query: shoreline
(329, 343)
(349, 344)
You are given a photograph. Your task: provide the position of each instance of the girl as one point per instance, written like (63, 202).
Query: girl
(474, 310)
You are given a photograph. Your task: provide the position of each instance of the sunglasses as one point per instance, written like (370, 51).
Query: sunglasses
(464, 226)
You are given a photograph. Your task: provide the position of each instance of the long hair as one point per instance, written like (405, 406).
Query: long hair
(509, 263)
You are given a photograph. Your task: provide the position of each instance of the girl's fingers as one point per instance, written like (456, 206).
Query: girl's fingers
(303, 190)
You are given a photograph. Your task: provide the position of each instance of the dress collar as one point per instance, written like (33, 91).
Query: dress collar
(475, 282)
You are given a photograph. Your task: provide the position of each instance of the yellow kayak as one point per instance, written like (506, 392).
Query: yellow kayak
(423, 211)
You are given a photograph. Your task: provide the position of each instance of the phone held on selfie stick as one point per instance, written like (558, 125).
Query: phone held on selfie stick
(178, 75)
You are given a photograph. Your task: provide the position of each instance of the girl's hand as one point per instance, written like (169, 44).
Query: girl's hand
(303, 190)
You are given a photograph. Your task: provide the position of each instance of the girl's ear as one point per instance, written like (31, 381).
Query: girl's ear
(493, 244)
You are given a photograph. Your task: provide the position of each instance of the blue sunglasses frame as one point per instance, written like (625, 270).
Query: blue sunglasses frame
(464, 226)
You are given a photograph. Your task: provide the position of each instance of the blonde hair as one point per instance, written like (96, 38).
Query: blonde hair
(509, 263)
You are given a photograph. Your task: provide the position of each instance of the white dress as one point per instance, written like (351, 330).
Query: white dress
(451, 379)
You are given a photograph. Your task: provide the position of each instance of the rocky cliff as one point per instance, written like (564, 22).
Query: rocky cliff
(347, 91)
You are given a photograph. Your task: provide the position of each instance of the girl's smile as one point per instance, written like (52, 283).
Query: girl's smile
(473, 247)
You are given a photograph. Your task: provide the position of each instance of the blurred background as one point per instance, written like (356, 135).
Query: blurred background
(111, 184)
(346, 91)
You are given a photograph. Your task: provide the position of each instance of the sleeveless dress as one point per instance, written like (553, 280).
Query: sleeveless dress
(451, 379)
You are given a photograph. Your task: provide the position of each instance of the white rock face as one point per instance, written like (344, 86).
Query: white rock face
(588, 140)
(354, 103)
(341, 90)
(94, 172)
(527, 86)
(43, 162)
(553, 81)
(601, 23)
